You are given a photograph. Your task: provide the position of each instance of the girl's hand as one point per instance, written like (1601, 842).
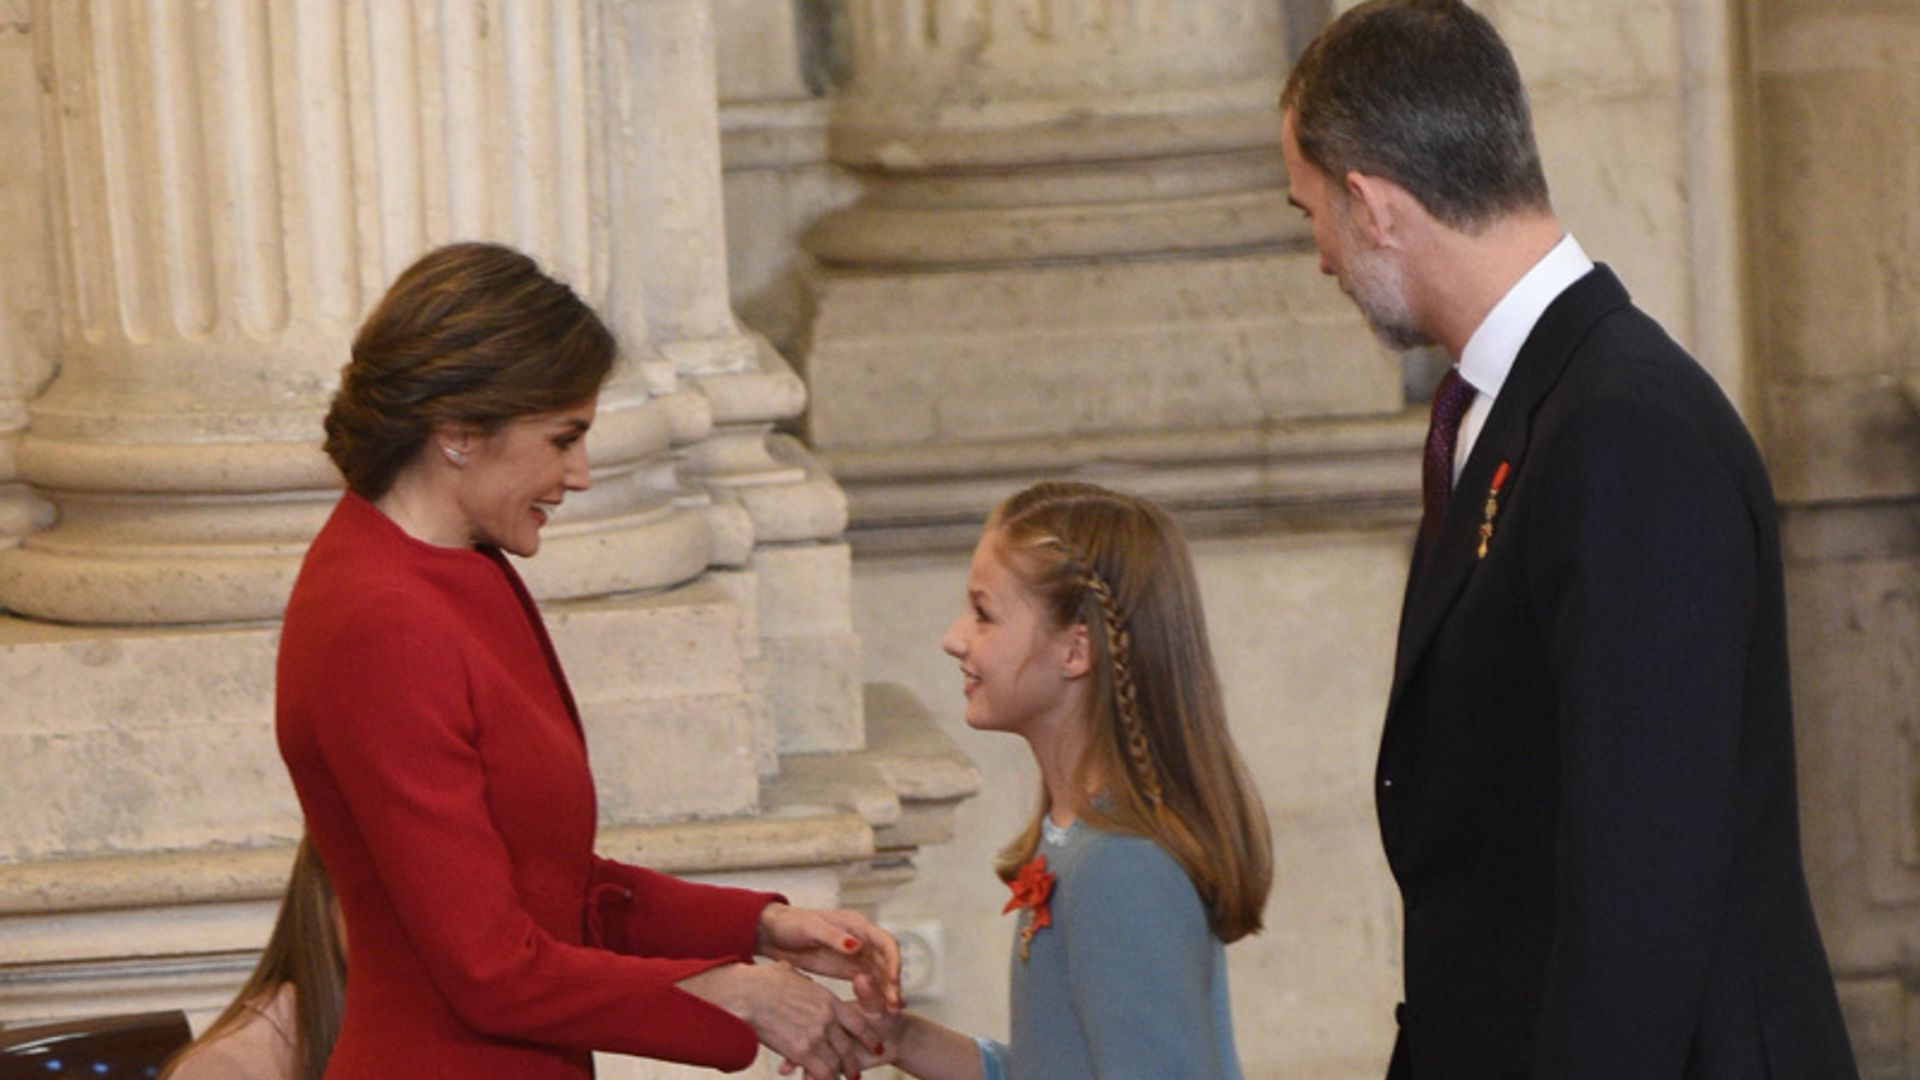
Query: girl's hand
(878, 1036)
(839, 945)
(916, 1046)
(791, 1015)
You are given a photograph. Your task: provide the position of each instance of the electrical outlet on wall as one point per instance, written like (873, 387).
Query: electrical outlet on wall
(923, 958)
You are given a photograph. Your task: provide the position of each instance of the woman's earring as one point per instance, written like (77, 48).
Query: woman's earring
(458, 457)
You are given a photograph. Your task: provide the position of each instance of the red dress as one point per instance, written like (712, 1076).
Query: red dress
(440, 761)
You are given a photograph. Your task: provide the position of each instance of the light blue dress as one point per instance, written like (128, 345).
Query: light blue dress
(1128, 982)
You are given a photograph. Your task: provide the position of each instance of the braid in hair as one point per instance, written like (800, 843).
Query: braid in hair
(1156, 735)
(1126, 697)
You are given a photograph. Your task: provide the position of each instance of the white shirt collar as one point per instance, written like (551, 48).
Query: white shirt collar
(1492, 349)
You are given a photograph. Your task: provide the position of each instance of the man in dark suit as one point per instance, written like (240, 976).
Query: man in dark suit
(1586, 779)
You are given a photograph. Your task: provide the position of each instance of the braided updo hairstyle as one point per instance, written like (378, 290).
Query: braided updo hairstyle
(1158, 743)
(471, 334)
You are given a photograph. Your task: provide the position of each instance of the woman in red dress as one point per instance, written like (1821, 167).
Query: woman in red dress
(438, 754)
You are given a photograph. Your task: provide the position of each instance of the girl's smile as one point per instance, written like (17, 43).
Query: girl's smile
(1014, 665)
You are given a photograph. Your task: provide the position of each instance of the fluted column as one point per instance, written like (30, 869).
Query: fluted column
(665, 51)
(672, 267)
(232, 186)
(24, 277)
(805, 656)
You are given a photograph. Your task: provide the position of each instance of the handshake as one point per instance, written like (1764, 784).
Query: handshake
(817, 1033)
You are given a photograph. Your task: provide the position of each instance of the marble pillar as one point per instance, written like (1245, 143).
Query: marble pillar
(25, 353)
(232, 188)
(1072, 245)
(775, 68)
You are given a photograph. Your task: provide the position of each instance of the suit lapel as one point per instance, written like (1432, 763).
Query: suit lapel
(1435, 581)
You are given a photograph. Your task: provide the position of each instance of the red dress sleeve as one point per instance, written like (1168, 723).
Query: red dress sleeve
(643, 912)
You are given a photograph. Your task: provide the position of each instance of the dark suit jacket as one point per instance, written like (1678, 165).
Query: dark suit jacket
(1586, 779)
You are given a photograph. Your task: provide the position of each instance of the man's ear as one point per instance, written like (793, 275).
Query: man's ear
(1377, 208)
(1078, 660)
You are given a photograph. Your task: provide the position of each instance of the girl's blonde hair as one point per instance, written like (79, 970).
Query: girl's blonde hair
(305, 949)
(1158, 741)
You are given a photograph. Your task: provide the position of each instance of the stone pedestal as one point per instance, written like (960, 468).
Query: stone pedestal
(1072, 233)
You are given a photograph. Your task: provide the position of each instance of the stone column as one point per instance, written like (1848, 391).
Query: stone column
(25, 275)
(774, 69)
(232, 187)
(804, 654)
(1072, 245)
(228, 188)
(665, 49)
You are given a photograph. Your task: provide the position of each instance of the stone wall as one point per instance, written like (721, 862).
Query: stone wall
(1836, 228)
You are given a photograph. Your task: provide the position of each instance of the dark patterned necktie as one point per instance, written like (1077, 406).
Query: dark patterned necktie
(1450, 401)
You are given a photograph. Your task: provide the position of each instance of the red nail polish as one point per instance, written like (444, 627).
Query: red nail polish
(850, 944)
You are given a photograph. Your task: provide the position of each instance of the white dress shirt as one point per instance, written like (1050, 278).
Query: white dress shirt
(1494, 346)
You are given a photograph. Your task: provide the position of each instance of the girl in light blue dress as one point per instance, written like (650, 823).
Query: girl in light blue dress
(1082, 633)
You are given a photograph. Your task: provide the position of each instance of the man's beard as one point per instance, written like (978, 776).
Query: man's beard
(1379, 290)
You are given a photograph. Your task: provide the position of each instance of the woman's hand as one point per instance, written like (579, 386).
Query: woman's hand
(837, 944)
(888, 1028)
(791, 1015)
(918, 1046)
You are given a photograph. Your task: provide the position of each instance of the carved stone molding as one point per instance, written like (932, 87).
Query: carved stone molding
(970, 83)
(989, 132)
(1308, 474)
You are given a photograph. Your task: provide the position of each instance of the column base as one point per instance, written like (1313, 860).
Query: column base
(183, 532)
(1313, 474)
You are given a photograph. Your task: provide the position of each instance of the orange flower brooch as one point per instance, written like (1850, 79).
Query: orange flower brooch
(1031, 888)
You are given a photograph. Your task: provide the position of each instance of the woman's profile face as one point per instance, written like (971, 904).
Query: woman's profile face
(519, 474)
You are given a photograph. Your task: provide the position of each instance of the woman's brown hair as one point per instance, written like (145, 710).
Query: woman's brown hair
(305, 951)
(1158, 743)
(471, 334)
